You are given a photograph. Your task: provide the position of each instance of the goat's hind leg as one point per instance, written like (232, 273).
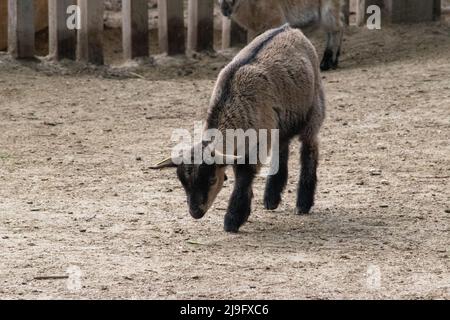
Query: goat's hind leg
(332, 23)
(309, 156)
(308, 175)
(276, 183)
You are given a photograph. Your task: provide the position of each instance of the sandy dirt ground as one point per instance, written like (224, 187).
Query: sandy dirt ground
(77, 197)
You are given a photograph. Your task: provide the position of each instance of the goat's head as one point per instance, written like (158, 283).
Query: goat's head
(203, 181)
(228, 7)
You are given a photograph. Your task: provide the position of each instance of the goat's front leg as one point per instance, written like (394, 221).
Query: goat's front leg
(239, 206)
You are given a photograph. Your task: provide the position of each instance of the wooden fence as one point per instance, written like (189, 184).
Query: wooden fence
(85, 43)
(402, 11)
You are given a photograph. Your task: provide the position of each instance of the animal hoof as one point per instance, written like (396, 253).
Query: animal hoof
(302, 210)
(231, 225)
(328, 61)
(231, 229)
(326, 66)
(271, 203)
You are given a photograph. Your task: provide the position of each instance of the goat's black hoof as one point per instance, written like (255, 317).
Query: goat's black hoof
(325, 66)
(328, 63)
(231, 229)
(334, 65)
(231, 225)
(303, 209)
(271, 202)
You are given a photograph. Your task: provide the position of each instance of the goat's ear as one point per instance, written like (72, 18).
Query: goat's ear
(166, 163)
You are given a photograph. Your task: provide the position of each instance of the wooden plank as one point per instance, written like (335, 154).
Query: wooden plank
(90, 45)
(62, 40)
(201, 25)
(3, 25)
(232, 34)
(346, 12)
(135, 29)
(437, 10)
(171, 27)
(21, 28)
(411, 11)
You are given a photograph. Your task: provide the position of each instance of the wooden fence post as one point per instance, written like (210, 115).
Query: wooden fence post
(232, 34)
(62, 40)
(89, 45)
(135, 29)
(437, 8)
(201, 25)
(21, 28)
(346, 12)
(412, 10)
(171, 27)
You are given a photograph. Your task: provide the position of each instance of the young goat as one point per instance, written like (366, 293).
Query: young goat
(257, 16)
(273, 83)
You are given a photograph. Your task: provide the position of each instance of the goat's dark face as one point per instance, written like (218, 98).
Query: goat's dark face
(202, 183)
(228, 7)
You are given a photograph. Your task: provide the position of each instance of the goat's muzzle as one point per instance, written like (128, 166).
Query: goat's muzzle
(197, 213)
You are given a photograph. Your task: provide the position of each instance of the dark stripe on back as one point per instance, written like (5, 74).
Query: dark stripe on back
(235, 66)
(248, 59)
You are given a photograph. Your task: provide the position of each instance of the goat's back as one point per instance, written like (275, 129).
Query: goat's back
(270, 83)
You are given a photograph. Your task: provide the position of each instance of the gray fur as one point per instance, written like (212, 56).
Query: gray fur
(258, 15)
(279, 88)
(273, 83)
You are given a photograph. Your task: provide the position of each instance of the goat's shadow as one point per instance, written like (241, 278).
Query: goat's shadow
(316, 230)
